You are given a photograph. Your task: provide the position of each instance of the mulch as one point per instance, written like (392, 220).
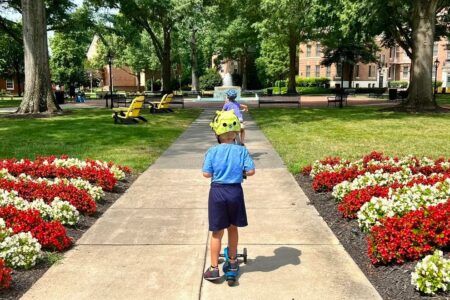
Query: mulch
(22, 280)
(391, 281)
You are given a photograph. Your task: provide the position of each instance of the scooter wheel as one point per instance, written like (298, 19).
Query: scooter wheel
(231, 281)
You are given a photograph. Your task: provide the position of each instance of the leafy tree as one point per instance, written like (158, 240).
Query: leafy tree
(273, 62)
(11, 61)
(158, 19)
(68, 56)
(37, 17)
(288, 23)
(414, 25)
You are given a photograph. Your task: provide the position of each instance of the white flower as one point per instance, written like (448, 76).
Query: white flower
(20, 250)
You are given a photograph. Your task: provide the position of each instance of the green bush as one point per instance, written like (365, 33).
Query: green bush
(311, 81)
(398, 84)
(210, 80)
(282, 83)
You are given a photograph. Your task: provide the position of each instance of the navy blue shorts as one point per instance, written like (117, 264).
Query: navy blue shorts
(226, 206)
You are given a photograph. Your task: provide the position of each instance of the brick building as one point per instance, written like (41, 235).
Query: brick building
(10, 86)
(394, 65)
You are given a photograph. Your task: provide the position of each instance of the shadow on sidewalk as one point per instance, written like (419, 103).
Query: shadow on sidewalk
(283, 256)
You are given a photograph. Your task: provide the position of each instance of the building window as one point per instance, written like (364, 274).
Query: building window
(308, 71)
(308, 51)
(405, 72)
(9, 84)
(389, 72)
(357, 70)
(318, 50)
(357, 85)
(392, 52)
(448, 54)
(370, 71)
(328, 75)
(435, 49)
(317, 71)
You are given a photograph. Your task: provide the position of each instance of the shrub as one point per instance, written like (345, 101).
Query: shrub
(311, 81)
(210, 79)
(398, 84)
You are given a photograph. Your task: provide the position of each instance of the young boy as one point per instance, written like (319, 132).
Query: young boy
(226, 164)
(231, 104)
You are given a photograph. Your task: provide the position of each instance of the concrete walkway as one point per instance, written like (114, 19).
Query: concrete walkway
(153, 242)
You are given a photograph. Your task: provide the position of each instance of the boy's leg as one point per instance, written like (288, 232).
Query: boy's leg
(233, 237)
(216, 245)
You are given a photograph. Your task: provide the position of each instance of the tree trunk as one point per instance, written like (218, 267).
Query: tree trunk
(138, 76)
(194, 63)
(166, 63)
(423, 30)
(244, 72)
(292, 65)
(350, 75)
(38, 96)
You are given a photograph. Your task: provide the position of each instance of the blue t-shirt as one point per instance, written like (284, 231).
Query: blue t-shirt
(227, 162)
(230, 105)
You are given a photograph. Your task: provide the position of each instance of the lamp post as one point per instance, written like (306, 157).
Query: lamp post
(342, 59)
(436, 65)
(110, 60)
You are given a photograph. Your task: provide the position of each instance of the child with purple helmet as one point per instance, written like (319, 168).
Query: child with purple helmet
(232, 104)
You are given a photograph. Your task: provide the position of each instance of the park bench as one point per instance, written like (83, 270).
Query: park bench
(296, 102)
(338, 98)
(117, 100)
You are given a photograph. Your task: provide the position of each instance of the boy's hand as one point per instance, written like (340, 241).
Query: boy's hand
(249, 173)
(207, 175)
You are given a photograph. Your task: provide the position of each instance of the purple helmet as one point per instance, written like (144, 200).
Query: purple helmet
(231, 94)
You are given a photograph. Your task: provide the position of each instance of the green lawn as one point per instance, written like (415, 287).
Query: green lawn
(302, 136)
(443, 99)
(91, 133)
(9, 103)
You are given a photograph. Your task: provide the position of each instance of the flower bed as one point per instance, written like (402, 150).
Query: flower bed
(402, 204)
(39, 198)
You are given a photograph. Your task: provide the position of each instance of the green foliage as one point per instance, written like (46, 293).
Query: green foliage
(210, 79)
(12, 57)
(67, 60)
(398, 84)
(311, 81)
(273, 62)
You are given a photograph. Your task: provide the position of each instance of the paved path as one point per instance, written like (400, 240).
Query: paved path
(153, 242)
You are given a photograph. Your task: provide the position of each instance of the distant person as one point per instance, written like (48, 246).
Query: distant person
(72, 91)
(232, 104)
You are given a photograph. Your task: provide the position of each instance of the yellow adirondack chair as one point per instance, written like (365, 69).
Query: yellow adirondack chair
(163, 105)
(131, 114)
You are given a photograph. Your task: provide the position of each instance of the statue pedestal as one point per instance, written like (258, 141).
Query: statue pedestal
(220, 92)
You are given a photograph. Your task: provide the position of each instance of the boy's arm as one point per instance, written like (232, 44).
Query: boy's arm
(250, 172)
(244, 107)
(207, 175)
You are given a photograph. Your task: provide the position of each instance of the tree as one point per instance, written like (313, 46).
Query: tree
(273, 62)
(68, 56)
(11, 61)
(413, 25)
(36, 21)
(158, 19)
(288, 23)
(38, 97)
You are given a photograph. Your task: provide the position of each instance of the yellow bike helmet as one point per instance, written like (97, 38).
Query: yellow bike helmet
(225, 121)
